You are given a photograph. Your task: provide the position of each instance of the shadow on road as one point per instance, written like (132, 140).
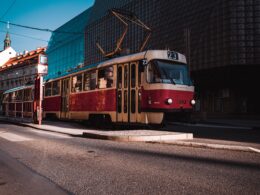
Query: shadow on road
(211, 132)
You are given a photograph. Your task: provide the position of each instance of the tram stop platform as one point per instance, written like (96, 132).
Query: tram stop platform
(178, 138)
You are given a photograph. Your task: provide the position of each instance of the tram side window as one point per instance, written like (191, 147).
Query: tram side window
(55, 87)
(19, 95)
(6, 96)
(48, 89)
(90, 81)
(76, 83)
(133, 75)
(28, 95)
(12, 96)
(32, 94)
(119, 77)
(105, 77)
(93, 80)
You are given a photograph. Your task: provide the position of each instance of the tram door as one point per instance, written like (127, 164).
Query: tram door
(65, 91)
(128, 99)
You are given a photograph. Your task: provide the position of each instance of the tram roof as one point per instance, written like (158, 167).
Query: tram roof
(148, 55)
(18, 88)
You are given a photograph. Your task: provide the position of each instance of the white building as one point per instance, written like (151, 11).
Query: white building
(8, 51)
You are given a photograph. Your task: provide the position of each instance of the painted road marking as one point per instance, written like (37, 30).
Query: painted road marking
(13, 137)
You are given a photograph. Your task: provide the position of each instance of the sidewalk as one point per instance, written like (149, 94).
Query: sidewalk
(154, 136)
(251, 122)
(75, 129)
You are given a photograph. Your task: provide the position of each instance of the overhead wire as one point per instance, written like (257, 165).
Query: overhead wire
(39, 29)
(8, 9)
(26, 36)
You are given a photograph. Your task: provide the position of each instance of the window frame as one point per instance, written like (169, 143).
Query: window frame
(105, 78)
(89, 74)
(52, 89)
(73, 89)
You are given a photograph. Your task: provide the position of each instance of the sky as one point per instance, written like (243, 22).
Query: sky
(47, 14)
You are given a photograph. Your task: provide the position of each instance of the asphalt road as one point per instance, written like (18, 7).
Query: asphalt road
(16, 178)
(218, 131)
(87, 166)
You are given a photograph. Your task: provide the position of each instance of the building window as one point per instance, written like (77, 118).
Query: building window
(105, 77)
(76, 83)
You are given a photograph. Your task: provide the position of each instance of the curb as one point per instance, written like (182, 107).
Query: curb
(213, 146)
(38, 128)
(151, 140)
(140, 138)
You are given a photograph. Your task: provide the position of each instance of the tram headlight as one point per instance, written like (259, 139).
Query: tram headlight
(192, 102)
(169, 101)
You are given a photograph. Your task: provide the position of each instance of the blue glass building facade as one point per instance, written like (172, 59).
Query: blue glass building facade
(66, 46)
(220, 39)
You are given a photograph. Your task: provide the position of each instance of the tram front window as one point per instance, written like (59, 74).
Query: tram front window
(160, 71)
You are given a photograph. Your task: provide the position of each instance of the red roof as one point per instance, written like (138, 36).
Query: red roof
(23, 59)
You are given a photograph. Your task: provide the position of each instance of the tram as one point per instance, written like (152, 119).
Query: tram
(19, 102)
(141, 88)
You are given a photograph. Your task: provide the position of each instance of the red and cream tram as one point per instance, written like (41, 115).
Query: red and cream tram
(139, 88)
(18, 102)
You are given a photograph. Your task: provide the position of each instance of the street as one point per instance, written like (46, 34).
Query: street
(79, 165)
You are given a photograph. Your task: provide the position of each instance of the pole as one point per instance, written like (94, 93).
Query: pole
(40, 99)
(37, 102)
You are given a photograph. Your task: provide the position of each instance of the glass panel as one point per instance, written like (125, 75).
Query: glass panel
(125, 101)
(19, 95)
(102, 82)
(13, 96)
(160, 71)
(139, 75)
(105, 77)
(86, 81)
(109, 76)
(48, 89)
(6, 96)
(31, 94)
(126, 76)
(76, 83)
(133, 101)
(119, 102)
(133, 75)
(66, 50)
(28, 96)
(119, 77)
(90, 81)
(139, 101)
(93, 80)
(56, 88)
